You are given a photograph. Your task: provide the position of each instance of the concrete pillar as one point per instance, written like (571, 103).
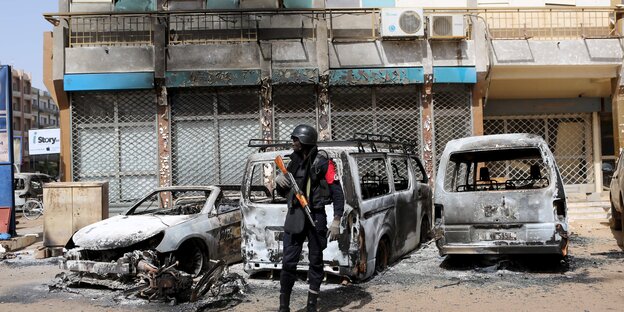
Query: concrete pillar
(323, 108)
(266, 118)
(53, 64)
(427, 126)
(266, 121)
(617, 106)
(597, 157)
(478, 93)
(322, 56)
(164, 135)
(428, 148)
(477, 113)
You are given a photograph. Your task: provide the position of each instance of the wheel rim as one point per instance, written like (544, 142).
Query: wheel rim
(32, 210)
(191, 259)
(197, 260)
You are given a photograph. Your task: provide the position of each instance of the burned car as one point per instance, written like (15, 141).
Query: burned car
(500, 194)
(616, 189)
(387, 210)
(182, 227)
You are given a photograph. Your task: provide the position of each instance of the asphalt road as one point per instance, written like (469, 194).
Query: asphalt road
(590, 279)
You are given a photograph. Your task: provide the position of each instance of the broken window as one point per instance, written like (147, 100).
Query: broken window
(373, 177)
(179, 202)
(18, 184)
(419, 171)
(400, 174)
(493, 170)
(262, 186)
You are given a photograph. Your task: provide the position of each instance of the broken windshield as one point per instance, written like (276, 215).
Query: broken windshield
(494, 170)
(178, 202)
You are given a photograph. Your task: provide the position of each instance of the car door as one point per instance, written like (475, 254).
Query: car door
(375, 195)
(422, 192)
(617, 183)
(229, 217)
(405, 205)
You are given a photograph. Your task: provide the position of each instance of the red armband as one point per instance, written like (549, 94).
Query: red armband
(331, 172)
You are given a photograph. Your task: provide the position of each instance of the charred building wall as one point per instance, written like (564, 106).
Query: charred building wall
(169, 97)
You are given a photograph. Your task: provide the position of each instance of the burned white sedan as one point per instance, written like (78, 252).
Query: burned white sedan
(500, 194)
(182, 227)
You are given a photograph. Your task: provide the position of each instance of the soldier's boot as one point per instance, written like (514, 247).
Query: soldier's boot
(284, 302)
(312, 299)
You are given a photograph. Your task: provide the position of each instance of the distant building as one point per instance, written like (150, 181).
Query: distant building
(45, 111)
(23, 117)
(32, 109)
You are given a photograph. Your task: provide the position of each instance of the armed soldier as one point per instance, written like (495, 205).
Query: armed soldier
(315, 175)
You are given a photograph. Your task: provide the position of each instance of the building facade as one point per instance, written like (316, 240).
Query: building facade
(23, 117)
(172, 95)
(45, 111)
(32, 109)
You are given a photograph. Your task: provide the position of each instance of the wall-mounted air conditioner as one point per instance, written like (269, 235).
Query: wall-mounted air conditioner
(444, 26)
(402, 22)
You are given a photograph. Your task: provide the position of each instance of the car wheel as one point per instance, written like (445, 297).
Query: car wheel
(425, 230)
(192, 257)
(617, 221)
(382, 256)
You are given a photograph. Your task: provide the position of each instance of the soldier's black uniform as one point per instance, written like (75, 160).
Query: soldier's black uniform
(314, 175)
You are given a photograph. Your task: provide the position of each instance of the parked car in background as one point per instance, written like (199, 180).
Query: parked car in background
(28, 185)
(500, 194)
(189, 225)
(387, 211)
(615, 195)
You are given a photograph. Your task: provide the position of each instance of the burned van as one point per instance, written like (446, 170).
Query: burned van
(500, 194)
(387, 210)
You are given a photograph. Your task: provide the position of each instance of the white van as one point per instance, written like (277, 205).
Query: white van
(387, 211)
(28, 185)
(500, 194)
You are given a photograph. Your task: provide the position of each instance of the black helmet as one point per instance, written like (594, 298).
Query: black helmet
(306, 134)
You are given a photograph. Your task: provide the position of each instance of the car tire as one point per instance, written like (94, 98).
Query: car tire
(425, 230)
(382, 256)
(193, 258)
(617, 221)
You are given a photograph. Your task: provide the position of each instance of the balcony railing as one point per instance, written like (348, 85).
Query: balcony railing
(204, 27)
(110, 30)
(548, 23)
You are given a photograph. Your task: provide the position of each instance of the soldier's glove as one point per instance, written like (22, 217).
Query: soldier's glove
(282, 181)
(334, 230)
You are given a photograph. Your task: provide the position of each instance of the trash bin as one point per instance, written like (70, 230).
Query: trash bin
(70, 206)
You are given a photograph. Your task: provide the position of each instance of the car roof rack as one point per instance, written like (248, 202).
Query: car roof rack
(363, 141)
(263, 144)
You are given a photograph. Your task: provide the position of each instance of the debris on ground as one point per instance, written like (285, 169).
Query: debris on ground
(165, 284)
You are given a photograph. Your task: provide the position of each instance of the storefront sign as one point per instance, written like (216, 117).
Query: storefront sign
(44, 141)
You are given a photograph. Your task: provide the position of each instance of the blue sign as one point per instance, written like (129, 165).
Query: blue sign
(7, 202)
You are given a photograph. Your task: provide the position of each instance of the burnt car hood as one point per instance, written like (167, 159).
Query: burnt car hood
(124, 231)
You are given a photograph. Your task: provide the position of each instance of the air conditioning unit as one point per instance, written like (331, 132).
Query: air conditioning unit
(402, 22)
(444, 26)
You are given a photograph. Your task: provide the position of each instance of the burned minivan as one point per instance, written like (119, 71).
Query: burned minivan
(387, 210)
(500, 194)
(181, 227)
